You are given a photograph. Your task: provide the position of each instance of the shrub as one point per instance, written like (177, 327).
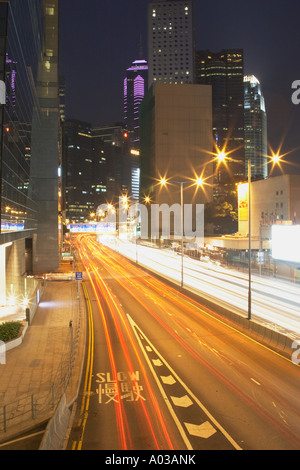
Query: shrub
(10, 330)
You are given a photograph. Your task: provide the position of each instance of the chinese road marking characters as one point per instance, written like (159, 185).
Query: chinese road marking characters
(124, 387)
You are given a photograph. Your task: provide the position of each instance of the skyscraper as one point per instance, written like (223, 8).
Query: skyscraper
(46, 147)
(78, 149)
(177, 141)
(21, 36)
(255, 129)
(171, 41)
(135, 88)
(225, 72)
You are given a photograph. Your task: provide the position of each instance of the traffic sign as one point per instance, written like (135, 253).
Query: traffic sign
(79, 276)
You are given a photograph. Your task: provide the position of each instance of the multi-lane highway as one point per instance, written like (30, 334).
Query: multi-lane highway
(165, 373)
(274, 301)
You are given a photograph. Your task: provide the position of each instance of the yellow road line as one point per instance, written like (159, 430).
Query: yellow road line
(77, 445)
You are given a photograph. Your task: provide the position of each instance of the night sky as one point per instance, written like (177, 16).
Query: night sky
(101, 38)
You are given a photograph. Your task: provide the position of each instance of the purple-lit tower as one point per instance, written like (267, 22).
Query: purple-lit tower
(135, 87)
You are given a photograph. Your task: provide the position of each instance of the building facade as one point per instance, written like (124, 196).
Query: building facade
(27, 38)
(224, 71)
(171, 45)
(256, 146)
(46, 155)
(176, 143)
(275, 200)
(135, 88)
(79, 167)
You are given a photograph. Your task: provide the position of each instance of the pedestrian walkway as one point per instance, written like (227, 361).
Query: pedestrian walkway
(47, 364)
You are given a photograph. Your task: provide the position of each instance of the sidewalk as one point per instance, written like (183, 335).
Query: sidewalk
(37, 372)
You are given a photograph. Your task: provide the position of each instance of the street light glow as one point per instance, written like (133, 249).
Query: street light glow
(221, 156)
(276, 158)
(199, 181)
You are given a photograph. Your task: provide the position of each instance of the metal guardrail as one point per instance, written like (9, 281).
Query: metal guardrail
(34, 408)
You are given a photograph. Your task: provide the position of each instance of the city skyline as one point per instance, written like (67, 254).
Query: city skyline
(149, 271)
(268, 55)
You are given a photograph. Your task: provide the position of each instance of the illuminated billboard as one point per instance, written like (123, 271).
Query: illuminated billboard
(286, 243)
(82, 228)
(243, 201)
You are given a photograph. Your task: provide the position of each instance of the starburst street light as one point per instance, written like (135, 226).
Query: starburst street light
(199, 182)
(221, 156)
(276, 158)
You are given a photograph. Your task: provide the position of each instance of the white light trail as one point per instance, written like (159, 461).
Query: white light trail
(273, 301)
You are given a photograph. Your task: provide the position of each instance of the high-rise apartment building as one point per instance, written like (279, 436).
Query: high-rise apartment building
(225, 72)
(171, 41)
(256, 146)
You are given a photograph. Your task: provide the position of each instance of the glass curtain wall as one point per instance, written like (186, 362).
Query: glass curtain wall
(23, 49)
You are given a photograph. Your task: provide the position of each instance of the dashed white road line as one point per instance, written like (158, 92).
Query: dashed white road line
(204, 430)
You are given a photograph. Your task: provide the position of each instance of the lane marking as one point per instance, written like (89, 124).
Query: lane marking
(157, 362)
(255, 381)
(88, 376)
(164, 395)
(168, 380)
(139, 334)
(184, 401)
(204, 430)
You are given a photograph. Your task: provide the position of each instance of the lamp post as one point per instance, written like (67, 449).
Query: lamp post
(198, 182)
(250, 245)
(182, 230)
(276, 160)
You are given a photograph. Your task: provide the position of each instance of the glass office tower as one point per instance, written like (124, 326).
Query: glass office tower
(21, 35)
(28, 38)
(19, 60)
(256, 146)
(224, 70)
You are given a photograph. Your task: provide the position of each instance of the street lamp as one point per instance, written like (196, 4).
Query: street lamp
(199, 182)
(250, 241)
(276, 160)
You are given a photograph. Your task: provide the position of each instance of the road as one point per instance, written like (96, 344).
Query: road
(274, 301)
(164, 373)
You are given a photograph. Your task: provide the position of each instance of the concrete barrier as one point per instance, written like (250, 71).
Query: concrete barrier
(56, 430)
